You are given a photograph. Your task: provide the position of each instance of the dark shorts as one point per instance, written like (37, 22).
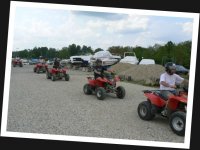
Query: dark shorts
(167, 93)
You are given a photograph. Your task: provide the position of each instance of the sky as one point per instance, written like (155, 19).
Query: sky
(57, 28)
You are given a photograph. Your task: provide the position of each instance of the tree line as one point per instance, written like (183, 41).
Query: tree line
(179, 53)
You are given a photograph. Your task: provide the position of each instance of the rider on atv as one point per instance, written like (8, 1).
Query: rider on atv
(104, 82)
(169, 80)
(41, 60)
(102, 71)
(56, 63)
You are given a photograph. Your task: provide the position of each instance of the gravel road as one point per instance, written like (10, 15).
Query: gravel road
(39, 105)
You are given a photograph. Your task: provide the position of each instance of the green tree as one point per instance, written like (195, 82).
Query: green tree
(98, 50)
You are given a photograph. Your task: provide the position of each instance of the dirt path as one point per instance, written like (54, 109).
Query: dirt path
(38, 105)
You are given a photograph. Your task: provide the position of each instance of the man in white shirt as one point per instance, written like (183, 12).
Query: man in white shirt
(41, 60)
(168, 81)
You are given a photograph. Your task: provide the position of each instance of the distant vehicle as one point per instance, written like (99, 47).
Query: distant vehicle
(76, 62)
(129, 59)
(49, 62)
(25, 61)
(40, 67)
(147, 62)
(80, 59)
(33, 61)
(106, 57)
(105, 54)
(17, 62)
(76, 59)
(181, 70)
(64, 61)
(57, 73)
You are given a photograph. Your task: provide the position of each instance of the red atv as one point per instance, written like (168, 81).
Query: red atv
(57, 73)
(17, 62)
(104, 85)
(40, 67)
(175, 107)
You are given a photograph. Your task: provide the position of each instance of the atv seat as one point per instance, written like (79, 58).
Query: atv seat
(165, 94)
(162, 96)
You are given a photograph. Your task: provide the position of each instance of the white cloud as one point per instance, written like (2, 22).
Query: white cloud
(187, 27)
(59, 29)
(131, 24)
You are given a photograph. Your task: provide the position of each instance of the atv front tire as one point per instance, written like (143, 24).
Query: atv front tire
(120, 92)
(144, 111)
(66, 77)
(100, 93)
(87, 89)
(177, 122)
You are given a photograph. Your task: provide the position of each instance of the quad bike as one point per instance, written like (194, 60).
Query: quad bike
(17, 62)
(175, 107)
(40, 67)
(57, 73)
(102, 85)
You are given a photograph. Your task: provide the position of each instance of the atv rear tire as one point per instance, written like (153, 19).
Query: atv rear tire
(100, 93)
(87, 89)
(120, 92)
(144, 111)
(66, 77)
(34, 69)
(177, 122)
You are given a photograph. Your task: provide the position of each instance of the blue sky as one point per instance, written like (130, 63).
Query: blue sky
(59, 28)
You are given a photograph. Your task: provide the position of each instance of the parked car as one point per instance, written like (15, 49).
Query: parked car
(33, 61)
(50, 62)
(181, 69)
(64, 61)
(25, 62)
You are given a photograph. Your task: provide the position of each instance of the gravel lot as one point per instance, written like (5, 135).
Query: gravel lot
(38, 105)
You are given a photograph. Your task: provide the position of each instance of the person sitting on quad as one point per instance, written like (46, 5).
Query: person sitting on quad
(100, 71)
(56, 63)
(17, 59)
(168, 81)
(41, 60)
